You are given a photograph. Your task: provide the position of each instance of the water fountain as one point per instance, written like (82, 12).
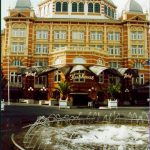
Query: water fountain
(66, 132)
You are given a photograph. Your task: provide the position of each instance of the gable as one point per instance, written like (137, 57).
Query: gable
(136, 18)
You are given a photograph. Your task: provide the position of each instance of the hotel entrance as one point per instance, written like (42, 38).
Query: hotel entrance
(80, 99)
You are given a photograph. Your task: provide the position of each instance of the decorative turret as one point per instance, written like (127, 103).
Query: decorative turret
(133, 6)
(23, 4)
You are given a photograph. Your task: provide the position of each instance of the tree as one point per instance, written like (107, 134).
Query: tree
(64, 89)
(114, 90)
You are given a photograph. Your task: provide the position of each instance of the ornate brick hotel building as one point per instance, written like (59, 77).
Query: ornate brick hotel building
(78, 41)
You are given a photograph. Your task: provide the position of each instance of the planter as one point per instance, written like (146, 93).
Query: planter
(112, 103)
(53, 102)
(63, 104)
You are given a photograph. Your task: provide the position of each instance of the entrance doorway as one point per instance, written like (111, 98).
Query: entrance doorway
(80, 99)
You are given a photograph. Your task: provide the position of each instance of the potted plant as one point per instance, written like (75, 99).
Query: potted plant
(114, 90)
(64, 90)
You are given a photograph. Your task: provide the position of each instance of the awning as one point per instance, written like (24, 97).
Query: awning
(47, 70)
(97, 69)
(77, 68)
(65, 69)
(34, 70)
(128, 73)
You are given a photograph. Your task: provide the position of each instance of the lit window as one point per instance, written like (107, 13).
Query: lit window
(58, 7)
(65, 7)
(97, 8)
(78, 76)
(140, 79)
(74, 7)
(57, 76)
(90, 7)
(81, 7)
(14, 78)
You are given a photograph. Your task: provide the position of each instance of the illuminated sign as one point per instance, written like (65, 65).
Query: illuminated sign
(30, 74)
(81, 76)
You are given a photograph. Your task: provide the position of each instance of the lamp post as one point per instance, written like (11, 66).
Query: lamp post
(43, 90)
(30, 89)
(8, 85)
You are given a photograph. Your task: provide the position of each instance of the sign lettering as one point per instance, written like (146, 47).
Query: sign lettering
(30, 74)
(80, 76)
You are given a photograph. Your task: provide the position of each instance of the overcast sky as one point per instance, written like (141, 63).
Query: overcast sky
(6, 4)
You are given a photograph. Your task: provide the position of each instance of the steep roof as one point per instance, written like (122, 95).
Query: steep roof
(133, 6)
(23, 4)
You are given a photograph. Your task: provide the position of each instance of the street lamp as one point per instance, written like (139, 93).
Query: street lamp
(43, 89)
(8, 85)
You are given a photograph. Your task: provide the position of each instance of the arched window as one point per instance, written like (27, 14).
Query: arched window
(105, 9)
(58, 6)
(81, 7)
(90, 7)
(65, 7)
(79, 60)
(74, 7)
(109, 13)
(97, 8)
(58, 61)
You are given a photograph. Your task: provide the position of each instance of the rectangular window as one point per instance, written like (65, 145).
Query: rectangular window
(101, 78)
(117, 50)
(140, 79)
(40, 62)
(18, 47)
(140, 35)
(78, 35)
(96, 35)
(41, 49)
(57, 76)
(138, 65)
(41, 80)
(134, 51)
(140, 50)
(133, 35)
(14, 78)
(59, 35)
(110, 36)
(43, 34)
(117, 36)
(110, 50)
(114, 64)
(18, 32)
